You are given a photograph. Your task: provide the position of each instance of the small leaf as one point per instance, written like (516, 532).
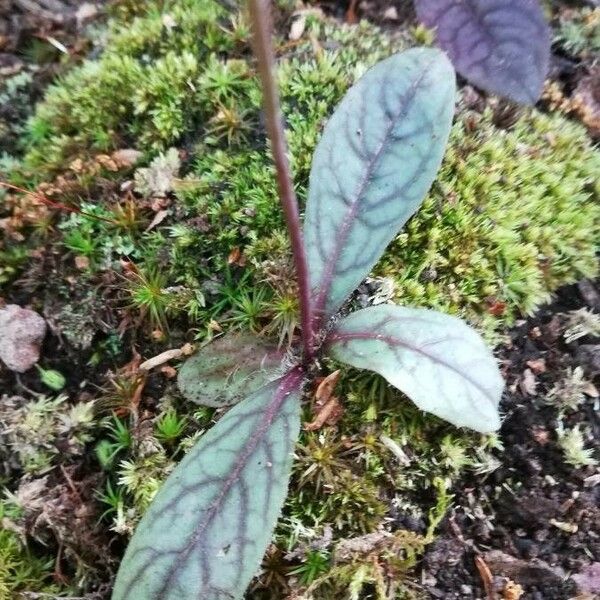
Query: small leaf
(502, 46)
(228, 369)
(377, 157)
(208, 527)
(437, 360)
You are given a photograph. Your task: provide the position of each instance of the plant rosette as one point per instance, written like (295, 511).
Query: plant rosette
(208, 527)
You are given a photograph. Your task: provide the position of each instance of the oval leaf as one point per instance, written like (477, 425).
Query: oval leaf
(443, 365)
(229, 369)
(376, 160)
(502, 46)
(207, 529)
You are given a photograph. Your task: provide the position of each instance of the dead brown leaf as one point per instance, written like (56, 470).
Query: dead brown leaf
(327, 407)
(126, 157)
(329, 414)
(159, 217)
(326, 387)
(496, 307)
(106, 162)
(236, 257)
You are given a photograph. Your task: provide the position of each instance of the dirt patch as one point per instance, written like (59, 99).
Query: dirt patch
(536, 519)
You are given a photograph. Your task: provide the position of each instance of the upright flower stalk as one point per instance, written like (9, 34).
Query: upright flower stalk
(260, 12)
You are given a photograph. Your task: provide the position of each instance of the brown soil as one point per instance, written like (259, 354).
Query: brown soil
(535, 520)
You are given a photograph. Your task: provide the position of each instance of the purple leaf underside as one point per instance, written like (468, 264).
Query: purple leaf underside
(501, 46)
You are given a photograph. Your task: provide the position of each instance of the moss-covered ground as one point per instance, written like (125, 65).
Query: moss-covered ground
(175, 234)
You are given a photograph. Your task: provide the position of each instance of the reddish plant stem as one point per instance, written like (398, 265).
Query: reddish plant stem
(260, 11)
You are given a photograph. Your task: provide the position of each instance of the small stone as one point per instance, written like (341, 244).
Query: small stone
(21, 334)
(588, 580)
(297, 28)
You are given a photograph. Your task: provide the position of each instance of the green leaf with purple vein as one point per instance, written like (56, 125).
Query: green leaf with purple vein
(208, 527)
(375, 162)
(437, 360)
(229, 369)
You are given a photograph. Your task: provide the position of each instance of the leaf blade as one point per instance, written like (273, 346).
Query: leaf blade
(388, 163)
(502, 46)
(438, 361)
(228, 369)
(208, 527)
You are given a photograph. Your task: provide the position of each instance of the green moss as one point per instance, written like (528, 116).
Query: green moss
(146, 88)
(20, 569)
(32, 432)
(579, 31)
(513, 215)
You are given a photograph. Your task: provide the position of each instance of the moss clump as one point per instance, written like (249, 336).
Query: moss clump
(20, 570)
(32, 432)
(146, 89)
(513, 216)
